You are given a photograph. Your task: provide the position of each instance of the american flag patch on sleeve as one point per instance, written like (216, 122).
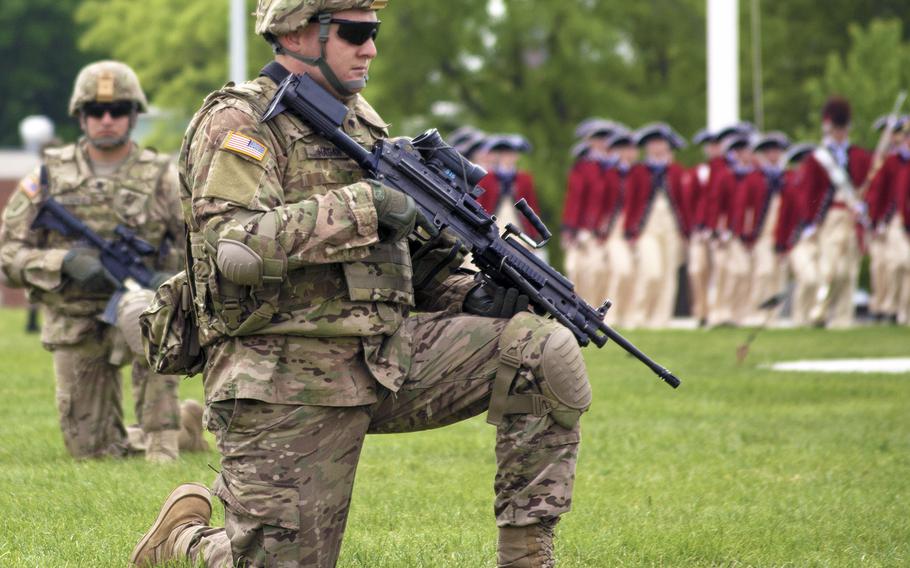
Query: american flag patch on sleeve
(29, 186)
(241, 144)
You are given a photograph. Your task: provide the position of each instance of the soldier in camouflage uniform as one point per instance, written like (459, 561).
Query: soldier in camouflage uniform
(104, 180)
(326, 316)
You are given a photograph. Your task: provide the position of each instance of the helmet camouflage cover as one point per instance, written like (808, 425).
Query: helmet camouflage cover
(104, 82)
(281, 17)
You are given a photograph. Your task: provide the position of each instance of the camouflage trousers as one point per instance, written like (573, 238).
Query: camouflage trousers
(90, 400)
(288, 471)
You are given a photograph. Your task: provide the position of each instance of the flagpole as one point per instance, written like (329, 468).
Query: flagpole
(237, 41)
(723, 63)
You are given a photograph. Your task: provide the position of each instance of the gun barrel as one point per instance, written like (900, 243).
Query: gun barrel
(662, 372)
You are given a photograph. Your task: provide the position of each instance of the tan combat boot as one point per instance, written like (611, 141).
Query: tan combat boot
(187, 506)
(191, 439)
(526, 547)
(161, 447)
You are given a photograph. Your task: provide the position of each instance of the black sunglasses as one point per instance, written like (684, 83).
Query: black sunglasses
(355, 32)
(116, 109)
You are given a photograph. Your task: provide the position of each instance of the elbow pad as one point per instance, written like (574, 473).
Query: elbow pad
(246, 258)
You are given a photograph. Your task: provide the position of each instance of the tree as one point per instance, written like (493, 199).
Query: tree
(536, 67)
(870, 75)
(178, 49)
(540, 67)
(799, 37)
(38, 63)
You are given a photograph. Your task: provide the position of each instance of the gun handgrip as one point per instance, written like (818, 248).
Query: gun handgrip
(535, 221)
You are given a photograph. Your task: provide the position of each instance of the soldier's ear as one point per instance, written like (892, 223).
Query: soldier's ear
(297, 41)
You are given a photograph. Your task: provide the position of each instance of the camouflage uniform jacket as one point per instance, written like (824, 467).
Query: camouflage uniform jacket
(141, 195)
(330, 326)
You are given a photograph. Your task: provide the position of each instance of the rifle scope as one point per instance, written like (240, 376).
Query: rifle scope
(434, 149)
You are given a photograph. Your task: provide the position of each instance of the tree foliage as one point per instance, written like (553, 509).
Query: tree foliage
(38, 62)
(178, 48)
(798, 37)
(540, 66)
(873, 71)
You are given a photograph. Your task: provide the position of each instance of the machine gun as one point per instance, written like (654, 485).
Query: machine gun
(122, 258)
(444, 185)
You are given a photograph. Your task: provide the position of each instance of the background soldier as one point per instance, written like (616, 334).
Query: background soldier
(305, 284)
(585, 191)
(888, 251)
(831, 176)
(756, 221)
(697, 183)
(506, 184)
(617, 276)
(733, 261)
(800, 254)
(655, 224)
(104, 180)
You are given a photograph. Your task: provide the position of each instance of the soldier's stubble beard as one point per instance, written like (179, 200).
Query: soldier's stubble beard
(108, 143)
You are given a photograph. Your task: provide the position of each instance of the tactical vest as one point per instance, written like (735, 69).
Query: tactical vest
(102, 203)
(372, 287)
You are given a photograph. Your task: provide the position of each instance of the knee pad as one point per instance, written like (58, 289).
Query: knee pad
(551, 353)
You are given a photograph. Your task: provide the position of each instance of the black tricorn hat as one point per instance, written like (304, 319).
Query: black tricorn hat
(659, 130)
(704, 136)
(798, 151)
(621, 138)
(768, 140)
(462, 134)
(513, 142)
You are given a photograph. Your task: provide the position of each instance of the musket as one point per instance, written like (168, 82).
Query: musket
(878, 158)
(444, 186)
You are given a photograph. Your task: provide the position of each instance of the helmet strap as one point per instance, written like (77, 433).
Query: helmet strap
(345, 89)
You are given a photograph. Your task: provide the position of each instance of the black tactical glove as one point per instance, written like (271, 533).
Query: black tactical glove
(159, 278)
(85, 269)
(397, 214)
(493, 301)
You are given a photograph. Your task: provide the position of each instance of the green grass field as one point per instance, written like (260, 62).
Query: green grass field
(739, 467)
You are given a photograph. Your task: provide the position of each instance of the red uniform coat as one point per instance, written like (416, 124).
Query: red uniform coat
(641, 192)
(789, 218)
(818, 193)
(715, 205)
(753, 202)
(522, 188)
(726, 212)
(696, 182)
(606, 202)
(885, 196)
(902, 199)
(583, 179)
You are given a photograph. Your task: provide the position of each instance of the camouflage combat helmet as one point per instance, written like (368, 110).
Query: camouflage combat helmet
(275, 18)
(104, 82)
(280, 17)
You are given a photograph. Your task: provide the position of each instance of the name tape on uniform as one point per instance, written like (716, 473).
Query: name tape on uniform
(242, 144)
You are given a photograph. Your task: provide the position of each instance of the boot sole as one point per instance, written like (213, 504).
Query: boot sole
(184, 490)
